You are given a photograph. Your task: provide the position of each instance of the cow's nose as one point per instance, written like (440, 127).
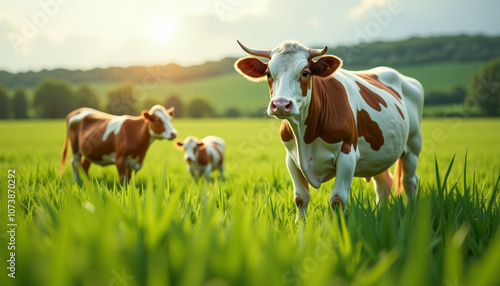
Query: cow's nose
(189, 159)
(173, 135)
(281, 106)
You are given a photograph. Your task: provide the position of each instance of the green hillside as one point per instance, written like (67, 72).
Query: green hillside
(232, 90)
(223, 91)
(408, 52)
(439, 63)
(440, 76)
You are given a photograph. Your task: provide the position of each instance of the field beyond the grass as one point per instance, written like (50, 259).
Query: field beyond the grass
(165, 229)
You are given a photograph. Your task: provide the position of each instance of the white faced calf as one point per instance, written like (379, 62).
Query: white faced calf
(203, 156)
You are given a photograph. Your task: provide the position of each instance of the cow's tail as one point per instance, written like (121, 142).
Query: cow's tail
(398, 177)
(64, 152)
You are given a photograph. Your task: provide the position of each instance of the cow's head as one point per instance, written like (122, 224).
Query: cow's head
(159, 122)
(191, 147)
(288, 74)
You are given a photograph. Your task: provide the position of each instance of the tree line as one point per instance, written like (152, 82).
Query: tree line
(407, 52)
(483, 98)
(55, 98)
(417, 50)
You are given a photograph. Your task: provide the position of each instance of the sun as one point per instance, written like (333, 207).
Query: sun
(162, 29)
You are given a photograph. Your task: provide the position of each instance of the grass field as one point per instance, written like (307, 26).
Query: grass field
(164, 229)
(232, 90)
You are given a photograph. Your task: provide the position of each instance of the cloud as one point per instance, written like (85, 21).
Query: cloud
(359, 10)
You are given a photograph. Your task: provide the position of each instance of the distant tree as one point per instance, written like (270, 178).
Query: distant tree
(232, 112)
(4, 102)
(200, 107)
(173, 100)
(86, 97)
(259, 112)
(151, 101)
(122, 100)
(485, 88)
(434, 98)
(458, 94)
(20, 103)
(54, 99)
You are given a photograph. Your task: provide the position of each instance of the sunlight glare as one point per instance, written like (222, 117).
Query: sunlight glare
(162, 29)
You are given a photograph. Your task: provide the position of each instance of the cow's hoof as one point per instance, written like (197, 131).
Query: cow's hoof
(337, 203)
(298, 201)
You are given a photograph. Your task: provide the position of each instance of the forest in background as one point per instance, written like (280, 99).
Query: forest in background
(447, 66)
(412, 51)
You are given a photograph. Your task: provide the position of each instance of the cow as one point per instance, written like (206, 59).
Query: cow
(104, 139)
(340, 123)
(203, 156)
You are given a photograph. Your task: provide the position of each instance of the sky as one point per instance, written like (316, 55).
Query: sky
(77, 34)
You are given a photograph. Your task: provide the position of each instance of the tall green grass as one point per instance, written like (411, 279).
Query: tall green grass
(165, 229)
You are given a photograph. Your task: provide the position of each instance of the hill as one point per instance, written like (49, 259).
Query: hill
(413, 51)
(416, 51)
(232, 90)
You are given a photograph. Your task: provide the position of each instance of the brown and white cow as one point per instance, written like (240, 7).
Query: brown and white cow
(203, 156)
(339, 123)
(104, 139)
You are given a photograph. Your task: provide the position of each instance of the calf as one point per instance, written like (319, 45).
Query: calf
(104, 139)
(203, 156)
(339, 123)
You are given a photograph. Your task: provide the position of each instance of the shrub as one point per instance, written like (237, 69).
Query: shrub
(174, 100)
(199, 107)
(122, 100)
(20, 103)
(54, 99)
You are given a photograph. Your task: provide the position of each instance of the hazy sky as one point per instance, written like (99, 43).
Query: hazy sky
(97, 33)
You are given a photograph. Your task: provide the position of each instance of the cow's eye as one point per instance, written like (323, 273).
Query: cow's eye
(268, 74)
(305, 73)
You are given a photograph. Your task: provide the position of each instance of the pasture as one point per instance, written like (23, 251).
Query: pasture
(165, 229)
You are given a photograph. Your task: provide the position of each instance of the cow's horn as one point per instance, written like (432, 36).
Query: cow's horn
(258, 53)
(317, 52)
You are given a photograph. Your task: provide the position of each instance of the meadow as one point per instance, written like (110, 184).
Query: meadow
(165, 229)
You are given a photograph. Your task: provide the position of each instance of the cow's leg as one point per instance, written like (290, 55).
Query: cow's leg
(191, 171)
(383, 185)
(121, 165)
(221, 169)
(135, 170)
(300, 188)
(208, 170)
(346, 165)
(76, 163)
(409, 161)
(85, 165)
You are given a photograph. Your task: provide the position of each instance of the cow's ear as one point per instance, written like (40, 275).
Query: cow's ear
(201, 145)
(325, 66)
(251, 68)
(179, 145)
(145, 114)
(171, 111)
